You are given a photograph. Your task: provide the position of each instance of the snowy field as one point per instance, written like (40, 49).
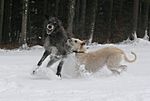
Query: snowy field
(17, 83)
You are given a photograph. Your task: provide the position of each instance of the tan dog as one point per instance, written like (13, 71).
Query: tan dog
(93, 61)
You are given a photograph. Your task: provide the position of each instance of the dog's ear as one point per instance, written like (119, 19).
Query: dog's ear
(86, 42)
(46, 17)
(83, 43)
(58, 21)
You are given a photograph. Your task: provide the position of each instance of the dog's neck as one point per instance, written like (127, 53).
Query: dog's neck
(82, 49)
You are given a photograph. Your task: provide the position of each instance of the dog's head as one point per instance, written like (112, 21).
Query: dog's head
(76, 44)
(52, 25)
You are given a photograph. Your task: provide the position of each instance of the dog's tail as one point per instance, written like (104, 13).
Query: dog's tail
(130, 61)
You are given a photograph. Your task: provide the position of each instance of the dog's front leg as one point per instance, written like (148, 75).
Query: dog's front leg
(46, 53)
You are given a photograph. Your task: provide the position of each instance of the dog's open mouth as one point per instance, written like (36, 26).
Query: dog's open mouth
(50, 29)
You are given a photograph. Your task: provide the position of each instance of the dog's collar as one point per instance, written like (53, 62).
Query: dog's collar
(78, 51)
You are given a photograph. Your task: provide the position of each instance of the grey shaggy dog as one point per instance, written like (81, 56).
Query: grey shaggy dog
(55, 44)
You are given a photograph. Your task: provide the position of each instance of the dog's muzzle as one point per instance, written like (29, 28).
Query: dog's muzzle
(50, 28)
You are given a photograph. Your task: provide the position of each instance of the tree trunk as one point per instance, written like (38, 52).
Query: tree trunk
(1, 18)
(110, 22)
(71, 15)
(92, 19)
(82, 20)
(147, 18)
(45, 14)
(76, 24)
(56, 8)
(135, 15)
(121, 8)
(24, 23)
(145, 23)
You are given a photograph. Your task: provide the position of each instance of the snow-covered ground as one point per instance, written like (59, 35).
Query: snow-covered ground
(17, 83)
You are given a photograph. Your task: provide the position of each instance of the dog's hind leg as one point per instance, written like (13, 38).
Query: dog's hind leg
(123, 68)
(53, 59)
(113, 63)
(58, 73)
(118, 69)
(46, 53)
(114, 70)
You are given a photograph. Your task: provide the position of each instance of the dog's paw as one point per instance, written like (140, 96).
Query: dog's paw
(82, 68)
(58, 77)
(33, 72)
(123, 68)
(58, 74)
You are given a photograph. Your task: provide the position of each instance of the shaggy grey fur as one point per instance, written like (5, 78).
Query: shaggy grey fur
(55, 44)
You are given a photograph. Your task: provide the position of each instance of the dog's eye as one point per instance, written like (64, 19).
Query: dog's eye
(75, 41)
